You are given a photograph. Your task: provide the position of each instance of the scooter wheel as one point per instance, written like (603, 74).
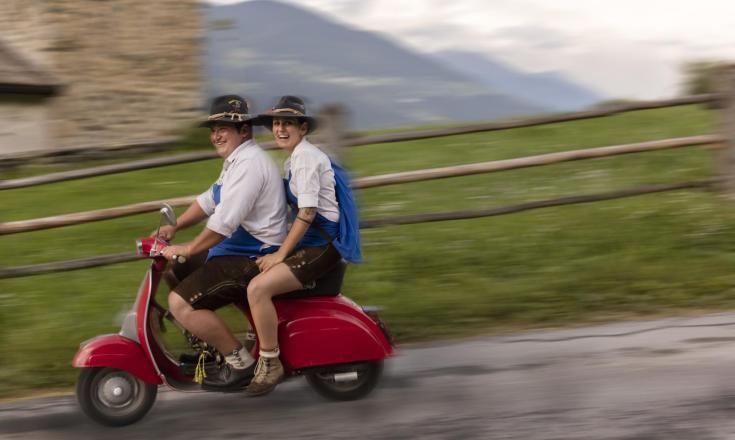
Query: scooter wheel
(114, 397)
(347, 382)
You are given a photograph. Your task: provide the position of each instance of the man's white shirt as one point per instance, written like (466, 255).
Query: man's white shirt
(251, 196)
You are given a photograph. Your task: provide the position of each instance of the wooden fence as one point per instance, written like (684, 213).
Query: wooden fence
(723, 142)
(367, 140)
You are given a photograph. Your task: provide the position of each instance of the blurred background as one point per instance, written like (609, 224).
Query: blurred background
(88, 84)
(127, 73)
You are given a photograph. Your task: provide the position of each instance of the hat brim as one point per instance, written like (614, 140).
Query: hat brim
(266, 120)
(227, 121)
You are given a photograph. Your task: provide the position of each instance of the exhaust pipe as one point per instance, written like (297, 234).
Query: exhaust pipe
(345, 377)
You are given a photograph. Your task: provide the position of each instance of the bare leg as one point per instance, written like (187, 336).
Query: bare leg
(204, 324)
(279, 279)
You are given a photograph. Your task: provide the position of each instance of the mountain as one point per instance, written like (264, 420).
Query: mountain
(264, 49)
(549, 90)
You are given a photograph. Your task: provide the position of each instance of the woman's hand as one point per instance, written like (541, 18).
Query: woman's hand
(176, 251)
(167, 232)
(267, 261)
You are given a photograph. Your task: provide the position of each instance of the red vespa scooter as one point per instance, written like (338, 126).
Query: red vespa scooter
(323, 335)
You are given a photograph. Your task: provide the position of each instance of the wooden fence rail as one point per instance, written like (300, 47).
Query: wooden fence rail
(369, 140)
(712, 98)
(526, 206)
(533, 161)
(376, 181)
(78, 218)
(104, 260)
(107, 169)
(62, 266)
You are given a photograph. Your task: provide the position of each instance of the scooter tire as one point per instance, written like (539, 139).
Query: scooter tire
(368, 374)
(114, 397)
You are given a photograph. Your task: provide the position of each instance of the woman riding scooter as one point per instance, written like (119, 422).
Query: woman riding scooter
(324, 231)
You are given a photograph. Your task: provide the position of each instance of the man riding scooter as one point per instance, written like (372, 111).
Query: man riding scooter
(246, 219)
(324, 336)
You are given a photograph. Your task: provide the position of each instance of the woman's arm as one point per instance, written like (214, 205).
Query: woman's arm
(299, 227)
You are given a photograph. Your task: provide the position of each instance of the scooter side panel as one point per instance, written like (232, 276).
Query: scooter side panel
(116, 351)
(328, 331)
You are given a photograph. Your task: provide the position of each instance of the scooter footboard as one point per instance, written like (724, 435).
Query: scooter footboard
(119, 352)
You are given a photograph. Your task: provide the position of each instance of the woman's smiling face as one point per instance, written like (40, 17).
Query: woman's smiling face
(289, 132)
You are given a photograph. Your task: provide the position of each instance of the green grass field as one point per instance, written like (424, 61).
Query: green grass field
(653, 255)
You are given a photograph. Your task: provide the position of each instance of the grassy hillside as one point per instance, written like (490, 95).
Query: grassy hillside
(650, 255)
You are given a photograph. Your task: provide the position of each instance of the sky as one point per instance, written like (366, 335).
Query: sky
(630, 49)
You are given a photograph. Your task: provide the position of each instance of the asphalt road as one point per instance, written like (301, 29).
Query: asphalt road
(668, 379)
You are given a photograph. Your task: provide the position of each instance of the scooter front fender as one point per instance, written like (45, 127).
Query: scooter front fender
(119, 352)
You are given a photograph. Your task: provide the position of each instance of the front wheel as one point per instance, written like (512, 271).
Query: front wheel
(114, 397)
(347, 382)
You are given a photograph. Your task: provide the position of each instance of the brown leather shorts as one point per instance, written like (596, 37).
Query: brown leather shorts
(311, 263)
(218, 282)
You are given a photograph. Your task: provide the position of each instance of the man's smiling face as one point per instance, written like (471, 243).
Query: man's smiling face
(226, 138)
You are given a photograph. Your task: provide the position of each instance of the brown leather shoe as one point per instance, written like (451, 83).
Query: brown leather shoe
(228, 378)
(268, 374)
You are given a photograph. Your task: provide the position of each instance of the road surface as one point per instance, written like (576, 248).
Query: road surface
(666, 379)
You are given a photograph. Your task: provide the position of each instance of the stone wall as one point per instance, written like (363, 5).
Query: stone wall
(23, 124)
(131, 69)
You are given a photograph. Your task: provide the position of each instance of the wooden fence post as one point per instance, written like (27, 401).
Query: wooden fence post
(331, 130)
(726, 155)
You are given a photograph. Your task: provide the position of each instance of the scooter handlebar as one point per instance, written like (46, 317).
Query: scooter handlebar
(151, 247)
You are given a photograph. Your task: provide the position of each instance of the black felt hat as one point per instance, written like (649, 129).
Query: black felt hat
(228, 109)
(287, 107)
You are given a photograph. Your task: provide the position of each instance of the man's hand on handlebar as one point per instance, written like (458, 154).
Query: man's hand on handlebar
(178, 253)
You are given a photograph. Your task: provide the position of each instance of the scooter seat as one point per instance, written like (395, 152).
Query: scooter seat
(328, 285)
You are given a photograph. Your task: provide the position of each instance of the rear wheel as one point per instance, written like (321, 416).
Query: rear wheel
(114, 397)
(347, 382)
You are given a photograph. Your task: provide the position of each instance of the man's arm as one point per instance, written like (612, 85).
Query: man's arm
(193, 215)
(237, 195)
(205, 240)
(202, 242)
